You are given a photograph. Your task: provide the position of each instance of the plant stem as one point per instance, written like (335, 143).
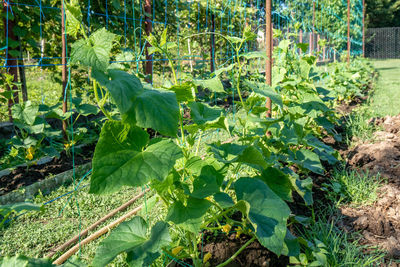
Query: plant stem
(237, 252)
(96, 95)
(198, 145)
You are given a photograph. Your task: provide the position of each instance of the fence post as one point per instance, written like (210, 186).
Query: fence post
(363, 22)
(64, 70)
(148, 24)
(268, 65)
(348, 32)
(11, 60)
(212, 43)
(313, 31)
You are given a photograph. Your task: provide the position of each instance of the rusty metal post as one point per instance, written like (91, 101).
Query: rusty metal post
(64, 70)
(300, 40)
(11, 60)
(348, 32)
(268, 64)
(148, 24)
(363, 22)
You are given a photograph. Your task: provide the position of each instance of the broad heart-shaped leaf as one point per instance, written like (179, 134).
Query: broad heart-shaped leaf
(23, 261)
(120, 158)
(74, 18)
(278, 181)
(189, 216)
(229, 153)
(123, 87)
(266, 91)
(224, 200)
(307, 160)
(18, 207)
(255, 54)
(25, 113)
(146, 254)
(202, 113)
(268, 213)
(156, 109)
(130, 236)
(214, 84)
(208, 183)
(184, 92)
(94, 52)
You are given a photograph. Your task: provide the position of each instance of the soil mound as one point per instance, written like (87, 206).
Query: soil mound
(380, 222)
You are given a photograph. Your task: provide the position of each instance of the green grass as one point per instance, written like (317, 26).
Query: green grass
(386, 98)
(353, 188)
(340, 248)
(35, 233)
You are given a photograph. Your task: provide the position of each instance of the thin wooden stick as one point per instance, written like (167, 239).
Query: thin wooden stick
(94, 225)
(96, 235)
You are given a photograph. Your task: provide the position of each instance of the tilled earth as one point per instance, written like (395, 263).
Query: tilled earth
(380, 222)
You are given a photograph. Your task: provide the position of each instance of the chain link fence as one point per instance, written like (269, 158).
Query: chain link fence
(383, 43)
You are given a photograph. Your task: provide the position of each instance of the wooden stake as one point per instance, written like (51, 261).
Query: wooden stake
(268, 64)
(313, 31)
(348, 32)
(212, 43)
(96, 235)
(363, 21)
(148, 28)
(11, 61)
(64, 70)
(94, 225)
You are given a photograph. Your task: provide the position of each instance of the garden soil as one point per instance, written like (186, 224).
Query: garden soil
(379, 223)
(23, 176)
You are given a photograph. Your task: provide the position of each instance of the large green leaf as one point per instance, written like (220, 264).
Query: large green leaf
(123, 87)
(214, 84)
(268, 213)
(95, 51)
(208, 183)
(266, 91)
(23, 261)
(121, 158)
(202, 113)
(184, 92)
(189, 216)
(131, 236)
(307, 160)
(156, 109)
(278, 181)
(25, 113)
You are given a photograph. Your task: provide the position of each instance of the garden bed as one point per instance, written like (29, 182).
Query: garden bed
(24, 176)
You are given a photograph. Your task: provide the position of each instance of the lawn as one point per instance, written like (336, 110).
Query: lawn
(386, 98)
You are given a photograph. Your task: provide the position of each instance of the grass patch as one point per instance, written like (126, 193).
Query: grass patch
(35, 233)
(386, 98)
(358, 128)
(331, 246)
(353, 187)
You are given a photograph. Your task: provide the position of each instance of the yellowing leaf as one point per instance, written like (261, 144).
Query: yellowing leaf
(207, 257)
(176, 250)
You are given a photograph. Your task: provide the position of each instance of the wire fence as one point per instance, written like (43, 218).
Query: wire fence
(383, 43)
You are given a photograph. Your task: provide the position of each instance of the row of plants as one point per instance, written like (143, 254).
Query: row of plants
(37, 131)
(243, 182)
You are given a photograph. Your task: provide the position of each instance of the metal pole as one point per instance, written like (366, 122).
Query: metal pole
(348, 32)
(64, 69)
(148, 28)
(268, 64)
